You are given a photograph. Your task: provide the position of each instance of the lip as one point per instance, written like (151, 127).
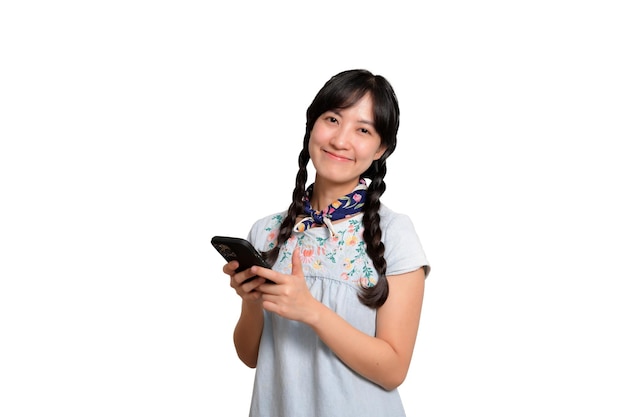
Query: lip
(336, 157)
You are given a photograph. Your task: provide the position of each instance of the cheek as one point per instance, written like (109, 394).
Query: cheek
(368, 150)
(312, 141)
(379, 152)
(317, 137)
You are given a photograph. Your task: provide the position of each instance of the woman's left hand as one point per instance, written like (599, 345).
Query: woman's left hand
(289, 296)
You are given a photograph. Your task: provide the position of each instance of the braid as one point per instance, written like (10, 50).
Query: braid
(295, 208)
(340, 92)
(377, 295)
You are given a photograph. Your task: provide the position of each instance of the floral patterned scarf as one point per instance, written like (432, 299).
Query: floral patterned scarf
(345, 206)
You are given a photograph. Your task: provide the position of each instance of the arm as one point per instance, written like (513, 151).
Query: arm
(383, 359)
(247, 333)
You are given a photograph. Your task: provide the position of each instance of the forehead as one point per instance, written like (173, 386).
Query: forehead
(364, 107)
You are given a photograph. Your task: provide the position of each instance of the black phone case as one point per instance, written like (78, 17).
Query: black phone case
(234, 248)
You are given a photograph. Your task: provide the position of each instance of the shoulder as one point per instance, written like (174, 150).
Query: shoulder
(390, 219)
(396, 227)
(403, 248)
(264, 230)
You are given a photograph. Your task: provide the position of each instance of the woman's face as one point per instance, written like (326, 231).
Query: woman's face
(344, 143)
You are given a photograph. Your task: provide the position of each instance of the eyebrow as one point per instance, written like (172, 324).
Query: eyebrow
(364, 121)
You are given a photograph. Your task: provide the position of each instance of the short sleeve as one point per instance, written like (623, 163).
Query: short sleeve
(264, 231)
(403, 248)
(255, 235)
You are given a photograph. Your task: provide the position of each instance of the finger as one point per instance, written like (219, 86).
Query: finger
(241, 277)
(296, 263)
(269, 304)
(268, 274)
(230, 267)
(253, 284)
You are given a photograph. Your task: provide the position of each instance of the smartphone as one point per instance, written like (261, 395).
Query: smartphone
(234, 248)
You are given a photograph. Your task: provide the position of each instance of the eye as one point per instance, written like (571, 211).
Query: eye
(332, 119)
(364, 130)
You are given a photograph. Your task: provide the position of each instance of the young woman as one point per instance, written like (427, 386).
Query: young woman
(333, 333)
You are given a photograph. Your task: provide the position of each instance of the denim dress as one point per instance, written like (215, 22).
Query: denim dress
(297, 374)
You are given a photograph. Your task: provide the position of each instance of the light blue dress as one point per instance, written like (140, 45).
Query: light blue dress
(297, 374)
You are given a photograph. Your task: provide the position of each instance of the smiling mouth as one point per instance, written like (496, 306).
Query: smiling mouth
(337, 157)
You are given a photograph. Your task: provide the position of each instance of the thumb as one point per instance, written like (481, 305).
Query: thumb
(296, 263)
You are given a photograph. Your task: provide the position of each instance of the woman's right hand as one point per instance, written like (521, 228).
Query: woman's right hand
(246, 290)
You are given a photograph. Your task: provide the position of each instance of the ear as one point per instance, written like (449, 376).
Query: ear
(381, 150)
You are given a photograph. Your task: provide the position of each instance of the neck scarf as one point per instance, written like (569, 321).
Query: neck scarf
(345, 206)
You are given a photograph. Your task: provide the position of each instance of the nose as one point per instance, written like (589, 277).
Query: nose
(340, 138)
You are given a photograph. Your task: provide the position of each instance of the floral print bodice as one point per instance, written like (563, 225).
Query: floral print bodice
(342, 256)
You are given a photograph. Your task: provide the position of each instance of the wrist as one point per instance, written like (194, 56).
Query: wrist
(317, 314)
(252, 307)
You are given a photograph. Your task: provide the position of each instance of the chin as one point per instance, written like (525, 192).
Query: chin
(338, 179)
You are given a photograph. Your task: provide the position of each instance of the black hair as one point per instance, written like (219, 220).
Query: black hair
(342, 91)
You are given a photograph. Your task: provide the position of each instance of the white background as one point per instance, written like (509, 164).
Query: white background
(133, 131)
